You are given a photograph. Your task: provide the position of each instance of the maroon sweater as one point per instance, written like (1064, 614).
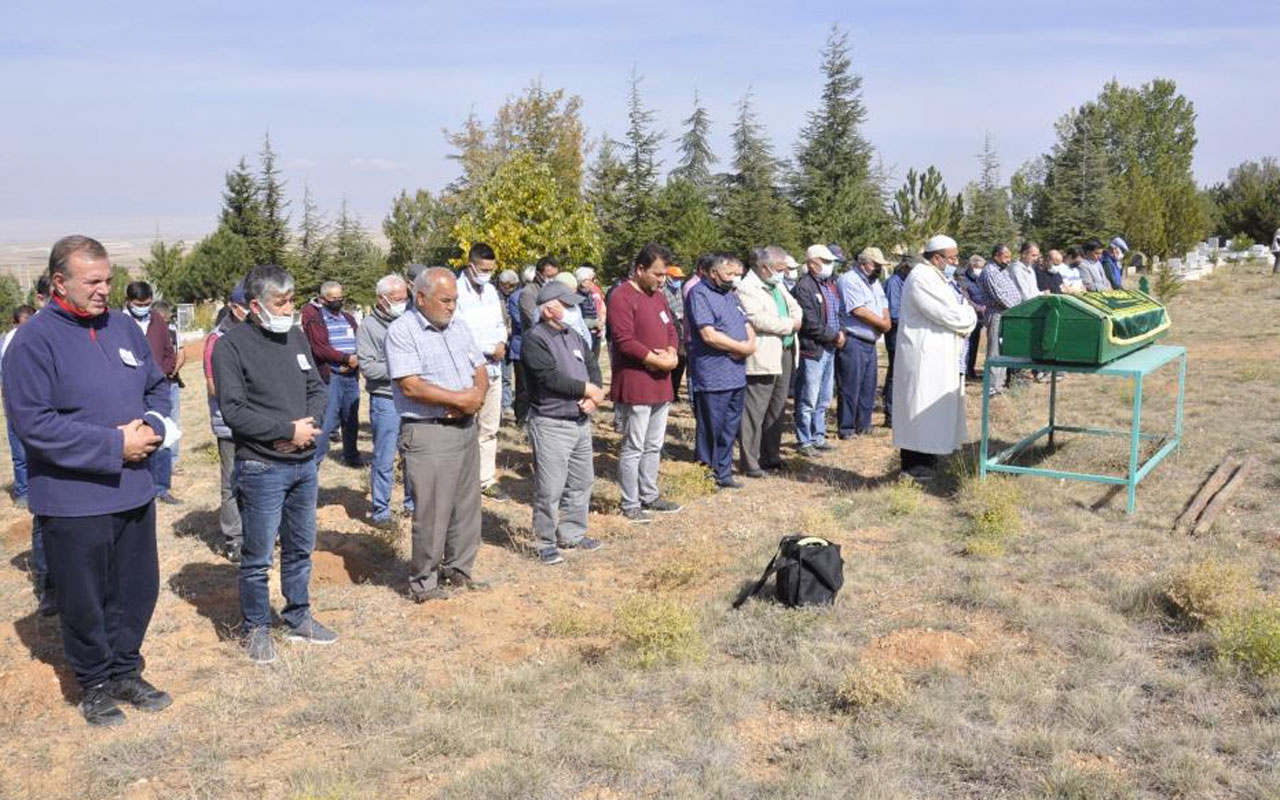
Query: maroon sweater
(162, 351)
(639, 323)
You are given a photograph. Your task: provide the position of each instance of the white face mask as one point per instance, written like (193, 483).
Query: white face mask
(396, 309)
(774, 279)
(571, 317)
(949, 270)
(827, 269)
(271, 322)
(482, 277)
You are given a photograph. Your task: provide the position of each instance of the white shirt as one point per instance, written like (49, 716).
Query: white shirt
(482, 311)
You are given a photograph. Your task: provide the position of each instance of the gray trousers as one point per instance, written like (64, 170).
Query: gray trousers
(997, 375)
(229, 512)
(760, 438)
(563, 474)
(644, 429)
(442, 463)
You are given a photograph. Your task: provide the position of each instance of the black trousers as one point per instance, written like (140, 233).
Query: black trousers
(914, 458)
(108, 577)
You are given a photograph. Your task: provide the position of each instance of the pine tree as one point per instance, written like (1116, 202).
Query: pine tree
(311, 258)
(988, 221)
(352, 258)
(215, 264)
(605, 194)
(756, 213)
(921, 208)
(241, 205)
(688, 226)
(272, 239)
(1080, 196)
(163, 267)
(639, 187)
(837, 196)
(696, 155)
(418, 231)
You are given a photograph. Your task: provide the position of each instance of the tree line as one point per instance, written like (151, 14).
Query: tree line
(531, 183)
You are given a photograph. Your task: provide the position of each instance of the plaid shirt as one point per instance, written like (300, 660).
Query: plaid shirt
(444, 357)
(1001, 288)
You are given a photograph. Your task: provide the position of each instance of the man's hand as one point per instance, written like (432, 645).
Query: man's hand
(664, 360)
(471, 402)
(499, 351)
(140, 440)
(304, 432)
(593, 393)
(840, 340)
(587, 405)
(352, 361)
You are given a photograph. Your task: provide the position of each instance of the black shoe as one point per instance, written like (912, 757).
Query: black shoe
(731, 483)
(756, 473)
(169, 500)
(232, 551)
(137, 692)
(357, 464)
(636, 516)
(772, 467)
(825, 447)
(99, 708)
(460, 582)
(385, 524)
(846, 436)
(436, 593)
(661, 506)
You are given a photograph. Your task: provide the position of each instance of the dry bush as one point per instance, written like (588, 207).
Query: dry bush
(992, 506)
(1250, 638)
(574, 623)
(869, 684)
(905, 496)
(679, 570)
(656, 629)
(1207, 590)
(683, 482)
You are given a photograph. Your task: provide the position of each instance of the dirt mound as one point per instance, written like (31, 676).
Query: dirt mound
(922, 648)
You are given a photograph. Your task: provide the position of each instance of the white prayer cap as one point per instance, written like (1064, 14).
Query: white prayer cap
(939, 243)
(1120, 243)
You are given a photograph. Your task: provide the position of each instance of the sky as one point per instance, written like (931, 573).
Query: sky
(121, 119)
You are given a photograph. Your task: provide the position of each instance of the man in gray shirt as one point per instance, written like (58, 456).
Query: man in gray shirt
(439, 380)
(393, 300)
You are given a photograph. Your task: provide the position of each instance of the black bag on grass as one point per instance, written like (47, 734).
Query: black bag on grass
(810, 572)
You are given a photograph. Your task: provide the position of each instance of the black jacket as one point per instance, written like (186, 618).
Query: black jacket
(557, 365)
(815, 334)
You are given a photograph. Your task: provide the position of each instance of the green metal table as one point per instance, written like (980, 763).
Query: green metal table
(1136, 366)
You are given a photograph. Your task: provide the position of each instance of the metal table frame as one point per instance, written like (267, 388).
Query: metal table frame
(1135, 366)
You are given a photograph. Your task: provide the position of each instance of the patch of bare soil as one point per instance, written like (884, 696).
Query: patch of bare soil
(922, 648)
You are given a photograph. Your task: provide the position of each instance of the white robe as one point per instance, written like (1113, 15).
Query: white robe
(928, 388)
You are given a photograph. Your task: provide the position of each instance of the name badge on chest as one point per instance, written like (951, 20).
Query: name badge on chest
(127, 356)
(662, 315)
(303, 364)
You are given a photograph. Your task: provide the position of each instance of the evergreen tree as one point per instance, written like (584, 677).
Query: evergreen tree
(1249, 201)
(352, 259)
(213, 267)
(837, 196)
(639, 187)
(272, 237)
(418, 231)
(1080, 195)
(164, 267)
(987, 221)
(921, 208)
(241, 205)
(688, 226)
(311, 258)
(11, 296)
(756, 213)
(696, 155)
(605, 194)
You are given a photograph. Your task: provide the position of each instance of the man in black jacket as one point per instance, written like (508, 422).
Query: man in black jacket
(820, 337)
(271, 395)
(564, 390)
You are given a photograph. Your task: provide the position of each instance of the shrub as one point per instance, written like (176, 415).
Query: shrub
(684, 482)
(992, 507)
(1207, 590)
(904, 497)
(684, 568)
(572, 623)
(868, 684)
(658, 629)
(1250, 638)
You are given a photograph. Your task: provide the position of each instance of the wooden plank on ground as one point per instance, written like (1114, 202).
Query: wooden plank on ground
(1216, 481)
(1219, 501)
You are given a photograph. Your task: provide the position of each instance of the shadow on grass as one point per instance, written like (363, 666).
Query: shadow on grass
(353, 501)
(202, 524)
(42, 636)
(214, 591)
(499, 531)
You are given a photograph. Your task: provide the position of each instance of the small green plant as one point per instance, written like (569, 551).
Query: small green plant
(992, 506)
(1204, 591)
(658, 629)
(1167, 284)
(203, 316)
(674, 572)
(573, 623)
(904, 497)
(1250, 638)
(684, 482)
(869, 684)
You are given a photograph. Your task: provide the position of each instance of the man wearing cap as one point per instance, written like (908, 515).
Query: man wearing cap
(564, 390)
(820, 338)
(480, 309)
(89, 404)
(644, 345)
(594, 310)
(391, 303)
(508, 284)
(928, 387)
(232, 314)
(775, 317)
(722, 341)
(439, 381)
(1112, 261)
(675, 308)
(864, 318)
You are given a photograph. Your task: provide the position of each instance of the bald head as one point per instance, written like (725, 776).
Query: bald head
(435, 293)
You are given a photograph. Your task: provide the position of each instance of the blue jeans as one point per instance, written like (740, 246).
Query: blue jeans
(385, 423)
(161, 464)
(508, 385)
(343, 408)
(277, 498)
(857, 363)
(18, 454)
(813, 397)
(175, 412)
(722, 414)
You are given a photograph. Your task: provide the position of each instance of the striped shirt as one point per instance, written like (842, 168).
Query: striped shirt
(342, 337)
(444, 357)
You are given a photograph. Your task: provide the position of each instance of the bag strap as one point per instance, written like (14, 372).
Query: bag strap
(755, 590)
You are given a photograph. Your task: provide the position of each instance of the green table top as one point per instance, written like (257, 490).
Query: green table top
(1139, 362)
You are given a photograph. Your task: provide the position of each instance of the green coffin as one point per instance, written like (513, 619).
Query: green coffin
(1091, 328)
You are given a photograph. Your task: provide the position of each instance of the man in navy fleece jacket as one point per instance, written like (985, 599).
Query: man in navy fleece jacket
(88, 403)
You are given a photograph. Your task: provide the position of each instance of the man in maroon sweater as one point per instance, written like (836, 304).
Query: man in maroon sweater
(644, 345)
(139, 301)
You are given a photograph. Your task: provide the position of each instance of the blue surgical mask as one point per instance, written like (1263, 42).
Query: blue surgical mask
(950, 270)
(140, 312)
(276, 324)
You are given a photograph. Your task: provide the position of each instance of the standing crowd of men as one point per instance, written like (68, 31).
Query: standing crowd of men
(91, 400)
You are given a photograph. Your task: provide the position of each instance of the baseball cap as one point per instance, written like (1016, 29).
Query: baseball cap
(674, 272)
(873, 254)
(555, 290)
(821, 252)
(237, 295)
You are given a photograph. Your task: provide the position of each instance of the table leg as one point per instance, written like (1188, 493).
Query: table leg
(1182, 384)
(1135, 434)
(986, 429)
(1053, 406)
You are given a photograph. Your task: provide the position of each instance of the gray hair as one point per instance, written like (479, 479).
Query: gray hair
(266, 281)
(69, 246)
(389, 283)
(329, 286)
(976, 260)
(431, 277)
(774, 256)
(717, 260)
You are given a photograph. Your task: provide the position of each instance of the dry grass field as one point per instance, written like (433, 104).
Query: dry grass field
(1019, 638)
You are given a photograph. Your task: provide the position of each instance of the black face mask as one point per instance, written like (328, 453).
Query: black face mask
(333, 305)
(876, 273)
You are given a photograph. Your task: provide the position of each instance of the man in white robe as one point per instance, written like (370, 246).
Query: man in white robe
(928, 382)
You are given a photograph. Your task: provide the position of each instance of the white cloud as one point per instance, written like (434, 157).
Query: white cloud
(376, 164)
